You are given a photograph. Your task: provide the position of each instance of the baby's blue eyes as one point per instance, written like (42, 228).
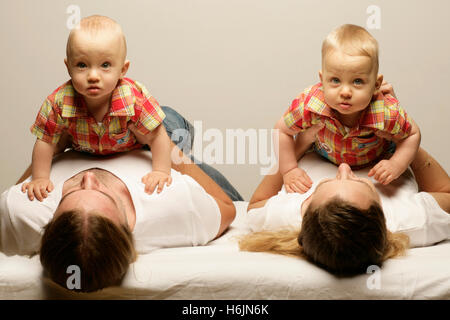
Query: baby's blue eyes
(356, 81)
(335, 80)
(82, 65)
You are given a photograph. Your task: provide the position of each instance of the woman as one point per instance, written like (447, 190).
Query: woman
(347, 222)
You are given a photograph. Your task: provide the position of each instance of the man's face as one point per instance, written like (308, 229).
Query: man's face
(95, 191)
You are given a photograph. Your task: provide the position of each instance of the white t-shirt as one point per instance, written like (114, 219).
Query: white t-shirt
(406, 210)
(183, 214)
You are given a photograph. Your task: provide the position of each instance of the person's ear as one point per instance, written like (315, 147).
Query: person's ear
(67, 66)
(378, 83)
(300, 239)
(305, 204)
(125, 67)
(320, 76)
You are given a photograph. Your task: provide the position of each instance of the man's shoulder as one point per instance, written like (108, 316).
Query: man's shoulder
(22, 220)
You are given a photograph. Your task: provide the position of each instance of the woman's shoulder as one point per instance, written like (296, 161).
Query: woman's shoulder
(280, 211)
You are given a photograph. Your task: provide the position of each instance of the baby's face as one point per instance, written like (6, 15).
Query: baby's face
(349, 82)
(96, 63)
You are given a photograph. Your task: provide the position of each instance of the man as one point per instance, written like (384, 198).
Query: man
(193, 210)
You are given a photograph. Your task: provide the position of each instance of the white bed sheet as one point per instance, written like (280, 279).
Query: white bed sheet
(220, 271)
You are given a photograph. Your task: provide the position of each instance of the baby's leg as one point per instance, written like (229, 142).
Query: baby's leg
(181, 132)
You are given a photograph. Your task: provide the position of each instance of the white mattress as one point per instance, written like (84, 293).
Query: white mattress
(220, 271)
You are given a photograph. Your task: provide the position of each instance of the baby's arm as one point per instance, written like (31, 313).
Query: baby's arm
(40, 182)
(286, 148)
(272, 183)
(160, 144)
(386, 171)
(295, 179)
(64, 142)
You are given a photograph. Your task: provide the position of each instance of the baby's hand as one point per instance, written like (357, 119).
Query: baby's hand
(38, 188)
(297, 180)
(156, 178)
(386, 171)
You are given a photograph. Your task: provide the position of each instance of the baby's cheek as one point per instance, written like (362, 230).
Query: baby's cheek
(328, 96)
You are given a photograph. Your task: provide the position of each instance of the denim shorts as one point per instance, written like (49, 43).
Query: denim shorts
(181, 132)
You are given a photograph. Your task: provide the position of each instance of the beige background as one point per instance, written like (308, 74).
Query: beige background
(232, 64)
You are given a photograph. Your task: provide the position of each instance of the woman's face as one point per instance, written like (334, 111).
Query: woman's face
(358, 191)
(96, 191)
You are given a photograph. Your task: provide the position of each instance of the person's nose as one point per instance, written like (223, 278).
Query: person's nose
(346, 92)
(89, 181)
(344, 172)
(93, 76)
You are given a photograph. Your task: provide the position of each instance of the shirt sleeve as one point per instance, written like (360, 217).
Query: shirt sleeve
(192, 220)
(207, 216)
(297, 117)
(279, 212)
(396, 120)
(22, 221)
(49, 124)
(149, 113)
(417, 215)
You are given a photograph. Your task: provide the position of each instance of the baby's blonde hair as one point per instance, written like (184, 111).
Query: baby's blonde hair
(94, 24)
(352, 40)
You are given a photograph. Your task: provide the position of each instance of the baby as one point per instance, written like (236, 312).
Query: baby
(95, 108)
(352, 116)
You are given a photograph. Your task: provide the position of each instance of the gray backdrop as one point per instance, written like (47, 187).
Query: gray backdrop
(234, 64)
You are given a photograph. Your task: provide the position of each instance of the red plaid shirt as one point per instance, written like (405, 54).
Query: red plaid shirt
(355, 146)
(65, 111)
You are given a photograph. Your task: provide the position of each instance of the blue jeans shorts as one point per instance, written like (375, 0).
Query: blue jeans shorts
(182, 133)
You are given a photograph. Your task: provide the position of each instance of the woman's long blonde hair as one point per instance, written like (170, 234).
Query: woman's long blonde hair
(336, 236)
